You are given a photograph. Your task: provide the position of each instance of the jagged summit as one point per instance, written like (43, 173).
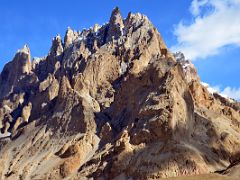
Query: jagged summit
(25, 49)
(116, 25)
(70, 36)
(112, 102)
(116, 17)
(57, 47)
(113, 29)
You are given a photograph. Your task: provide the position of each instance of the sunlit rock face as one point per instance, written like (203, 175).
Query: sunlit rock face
(112, 102)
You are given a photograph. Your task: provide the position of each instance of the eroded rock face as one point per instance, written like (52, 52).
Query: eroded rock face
(15, 71)
(115, 28)
(112, 102)
(70, 36)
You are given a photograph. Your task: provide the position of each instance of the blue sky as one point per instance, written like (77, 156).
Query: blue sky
(207, 31)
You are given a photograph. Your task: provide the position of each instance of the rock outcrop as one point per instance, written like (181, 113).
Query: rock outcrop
(70, 36)
(113, 102)
(115, 27)
(15, 71)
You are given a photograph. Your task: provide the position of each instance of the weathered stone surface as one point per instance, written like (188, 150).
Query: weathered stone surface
(115, 29)
(106, 133)
(26, 112)
(70, 36)
(15, 71)
(113, 102)
(57, 47)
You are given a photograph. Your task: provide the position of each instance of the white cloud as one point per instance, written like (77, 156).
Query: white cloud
(227, 92)
(231, 92)
(196, 5)
(216, 24)
(214, 89)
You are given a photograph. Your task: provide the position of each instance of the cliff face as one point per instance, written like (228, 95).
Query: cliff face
(112, 102)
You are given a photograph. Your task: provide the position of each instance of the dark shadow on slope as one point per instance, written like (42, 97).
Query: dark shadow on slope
(185, 139)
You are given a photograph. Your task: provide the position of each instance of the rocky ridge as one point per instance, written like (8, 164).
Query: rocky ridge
(112, 102)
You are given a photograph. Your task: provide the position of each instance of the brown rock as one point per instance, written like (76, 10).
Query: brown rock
(113, 102)
(115, 25)
(106, 133)
(70, 36)
(14, 71)
(26, 112)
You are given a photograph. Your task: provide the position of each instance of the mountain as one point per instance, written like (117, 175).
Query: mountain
(112, 102)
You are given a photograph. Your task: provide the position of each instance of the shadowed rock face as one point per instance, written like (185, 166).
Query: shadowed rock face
(112, 102)
(14, 71)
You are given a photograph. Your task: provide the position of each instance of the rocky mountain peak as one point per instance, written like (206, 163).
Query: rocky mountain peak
(115, 24)
(116, 17)
(23, 60)
(189, 70)
(15, 70)
(57, 46)
(70, 36)
(96, 27)
(25, 49)
(110, 102)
